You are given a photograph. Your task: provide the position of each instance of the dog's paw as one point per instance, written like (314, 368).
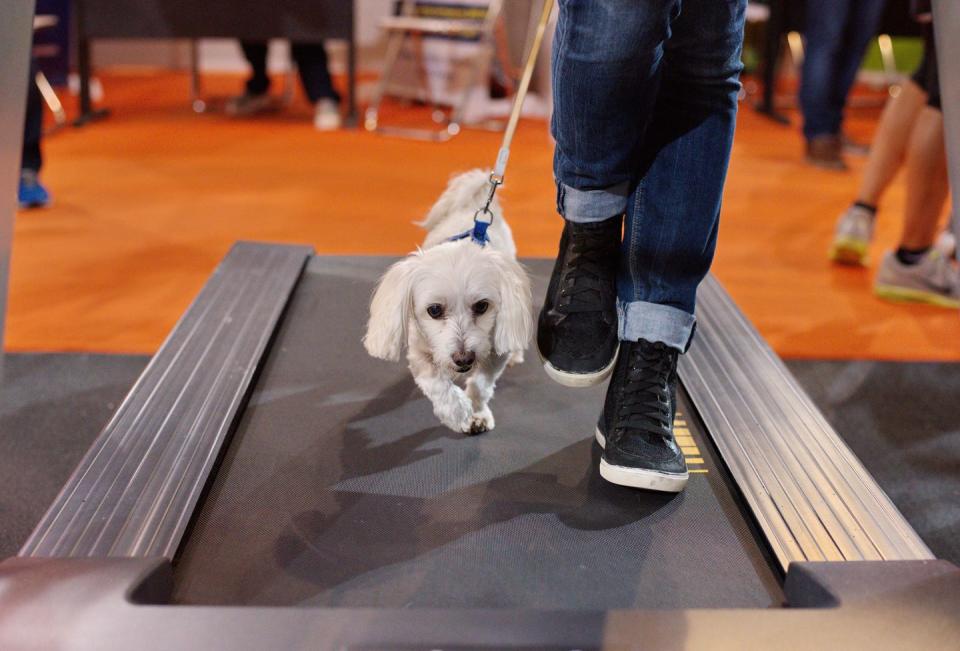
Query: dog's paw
(516, 358)
(482, 421)
(457, 413)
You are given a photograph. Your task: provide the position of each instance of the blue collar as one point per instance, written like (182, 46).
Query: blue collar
(478, 234)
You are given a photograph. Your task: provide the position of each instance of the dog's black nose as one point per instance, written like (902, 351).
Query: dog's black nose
(464, 360)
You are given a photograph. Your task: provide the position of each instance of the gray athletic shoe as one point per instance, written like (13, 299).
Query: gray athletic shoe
(852, 237)
(934, 280)
(246, 105)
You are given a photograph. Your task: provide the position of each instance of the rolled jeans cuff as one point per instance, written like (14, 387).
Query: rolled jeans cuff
(654, 322)
(589, 206)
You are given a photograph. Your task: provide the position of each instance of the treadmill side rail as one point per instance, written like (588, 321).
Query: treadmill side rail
(808, 492)
(134, 491)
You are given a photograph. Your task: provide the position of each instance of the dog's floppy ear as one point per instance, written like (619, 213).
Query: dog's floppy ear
(514, 325)
(390, 310)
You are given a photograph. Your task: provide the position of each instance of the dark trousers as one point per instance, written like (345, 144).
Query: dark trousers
(837, 34)
(33, 125)
(311, 61)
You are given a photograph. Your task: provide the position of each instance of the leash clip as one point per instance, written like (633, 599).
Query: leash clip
(484, 216)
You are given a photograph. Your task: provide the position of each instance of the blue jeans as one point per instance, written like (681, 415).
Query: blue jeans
(645, 101)
(837, 34)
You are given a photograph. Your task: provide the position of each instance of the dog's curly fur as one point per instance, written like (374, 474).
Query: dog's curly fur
(461, 310)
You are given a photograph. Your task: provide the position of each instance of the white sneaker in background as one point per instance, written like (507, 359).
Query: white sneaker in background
(946, 244)
(851, 240)
(326, 115)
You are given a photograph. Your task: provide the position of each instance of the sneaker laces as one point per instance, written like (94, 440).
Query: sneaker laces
(582, 289)
(645, 403)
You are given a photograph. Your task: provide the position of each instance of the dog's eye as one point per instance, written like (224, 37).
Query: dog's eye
(480, 307)
(435, 310)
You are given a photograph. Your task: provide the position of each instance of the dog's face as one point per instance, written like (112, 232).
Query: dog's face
(466, 302)
(455, 309)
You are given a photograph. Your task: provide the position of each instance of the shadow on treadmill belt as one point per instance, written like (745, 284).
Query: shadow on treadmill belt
(340, 488)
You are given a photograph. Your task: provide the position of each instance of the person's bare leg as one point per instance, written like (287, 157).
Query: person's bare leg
(854, 230)
(889, 145)
(927, 185)
(916, 271)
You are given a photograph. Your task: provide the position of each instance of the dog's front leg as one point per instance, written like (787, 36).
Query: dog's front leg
(480, 388)
(450, 404)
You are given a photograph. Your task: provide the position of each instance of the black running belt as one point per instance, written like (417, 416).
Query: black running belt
(340, 488)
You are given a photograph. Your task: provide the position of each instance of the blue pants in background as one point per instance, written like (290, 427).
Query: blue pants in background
(837, 34)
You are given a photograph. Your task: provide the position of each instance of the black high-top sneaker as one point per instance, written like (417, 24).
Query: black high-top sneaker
(577, 330)
(636, 427)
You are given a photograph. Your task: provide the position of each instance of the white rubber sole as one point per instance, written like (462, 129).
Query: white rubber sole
(651, 480)
(579, 380)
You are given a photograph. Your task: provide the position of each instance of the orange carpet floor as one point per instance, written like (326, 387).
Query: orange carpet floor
(147, 202)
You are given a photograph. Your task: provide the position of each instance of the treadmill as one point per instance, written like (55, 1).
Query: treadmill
(267, 485)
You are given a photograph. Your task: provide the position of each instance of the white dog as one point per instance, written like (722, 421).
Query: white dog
(462, 310)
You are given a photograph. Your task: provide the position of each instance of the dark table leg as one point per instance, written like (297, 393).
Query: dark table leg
(352, 118)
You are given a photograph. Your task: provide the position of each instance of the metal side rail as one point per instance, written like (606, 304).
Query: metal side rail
(810, 495)
(134, 491)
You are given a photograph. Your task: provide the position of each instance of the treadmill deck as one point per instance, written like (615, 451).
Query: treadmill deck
(340, 489)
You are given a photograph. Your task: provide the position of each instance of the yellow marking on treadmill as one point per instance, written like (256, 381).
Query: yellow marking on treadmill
(688, 446)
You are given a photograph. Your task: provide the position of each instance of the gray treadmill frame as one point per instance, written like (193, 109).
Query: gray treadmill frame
(99, 561)
(16, 33)
(946, 19)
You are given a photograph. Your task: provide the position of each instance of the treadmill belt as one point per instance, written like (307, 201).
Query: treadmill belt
(340, 489)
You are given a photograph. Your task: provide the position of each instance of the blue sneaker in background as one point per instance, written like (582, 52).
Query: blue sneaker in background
(31, 194)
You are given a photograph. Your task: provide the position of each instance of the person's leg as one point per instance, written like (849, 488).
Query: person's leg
(32, 158)
(671, 233)
(674, 210)
(823, 33)
(256, 97)
(926, 179)
(916, 271)
(889, 144)
(606, 71)
(311, 61)
(862, 23)
(854, 230)
(255, 52)
(30, 192)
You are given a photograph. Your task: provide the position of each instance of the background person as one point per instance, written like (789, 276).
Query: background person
(311, 59)
(836, 36)
(893, 138)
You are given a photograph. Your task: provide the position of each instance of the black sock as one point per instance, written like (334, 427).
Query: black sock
(866, 206)
(911, 256)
